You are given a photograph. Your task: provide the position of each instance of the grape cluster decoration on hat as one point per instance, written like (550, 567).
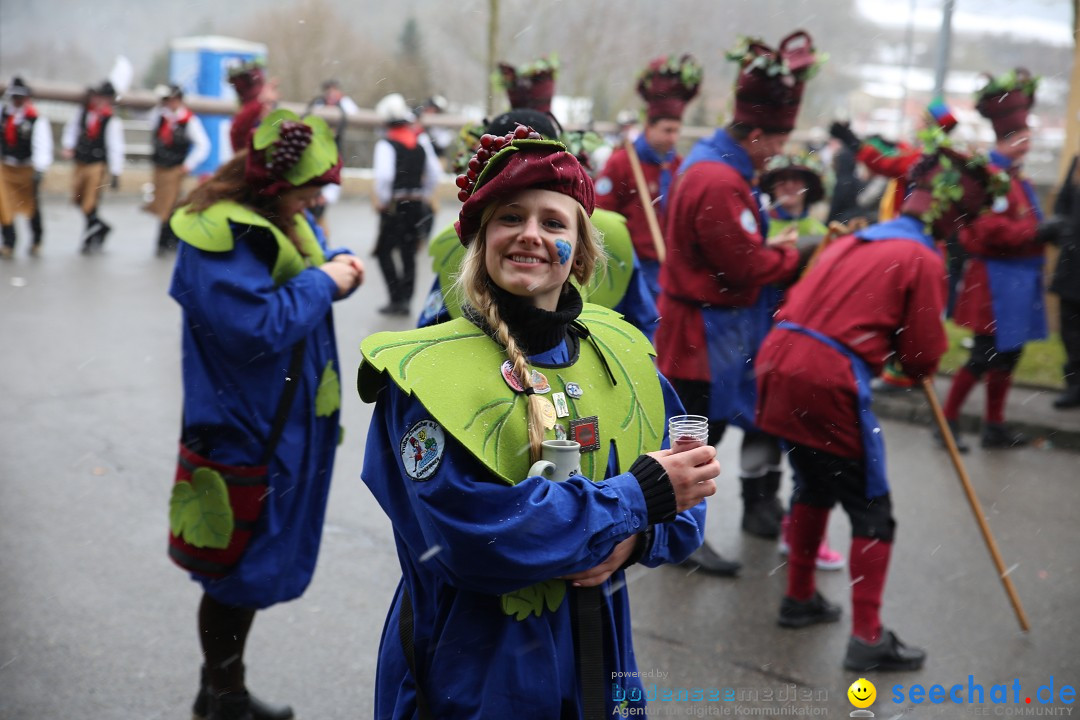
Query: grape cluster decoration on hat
(491, 146)
(288, 149)
(947, 186)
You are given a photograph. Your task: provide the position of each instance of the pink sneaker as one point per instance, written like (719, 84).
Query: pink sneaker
(827, 558)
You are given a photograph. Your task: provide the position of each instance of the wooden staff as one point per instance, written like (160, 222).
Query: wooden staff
(950, 444)
(646, 200)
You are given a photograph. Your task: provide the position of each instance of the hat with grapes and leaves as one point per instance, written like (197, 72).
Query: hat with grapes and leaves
(531, 85)
(769, 85)
(287, 151)
(248, 79)
(508, 164)
(945, 179)
(668, 84)
(1005, 100)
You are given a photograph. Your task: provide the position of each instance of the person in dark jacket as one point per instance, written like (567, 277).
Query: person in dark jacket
(1065, 231)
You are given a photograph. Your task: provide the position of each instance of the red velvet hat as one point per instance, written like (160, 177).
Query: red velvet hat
(668, 84)
(288, 152)
(770, 82)
(530, 86)
(504, 166)
(945, 180)
(1006, 100)
(248, 80)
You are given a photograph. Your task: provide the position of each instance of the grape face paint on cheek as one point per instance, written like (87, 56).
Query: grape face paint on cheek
(564, 251)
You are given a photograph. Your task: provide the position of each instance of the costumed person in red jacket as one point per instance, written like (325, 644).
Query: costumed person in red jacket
(713, 311)
(257, 97)
(872, 294)
(893, 161)
(666, 85)
(1002, 297)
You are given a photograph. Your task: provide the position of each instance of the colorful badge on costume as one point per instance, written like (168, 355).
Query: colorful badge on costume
(547, 413)
(563, 248)
(1001, 204)
(540, 383)
(433, 304)
(748, 220)
(573, 390)
(561, 408)
(422, 449)
(603, 186)
(560, 431)
(586, 432)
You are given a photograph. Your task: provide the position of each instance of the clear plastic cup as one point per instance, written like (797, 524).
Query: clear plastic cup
(688, 431)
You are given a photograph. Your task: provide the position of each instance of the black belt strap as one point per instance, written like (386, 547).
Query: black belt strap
(589, 633)
(292, 382)
(405, 631)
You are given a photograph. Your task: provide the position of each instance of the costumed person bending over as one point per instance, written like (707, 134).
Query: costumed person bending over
(462, 410)
(871, 295)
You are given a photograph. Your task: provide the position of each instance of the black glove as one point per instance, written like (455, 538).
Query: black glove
(115, 184)
(842, 132)
(1051, 230)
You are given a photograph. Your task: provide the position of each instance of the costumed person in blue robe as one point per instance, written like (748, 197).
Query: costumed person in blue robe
(512, 583)
(261, 391)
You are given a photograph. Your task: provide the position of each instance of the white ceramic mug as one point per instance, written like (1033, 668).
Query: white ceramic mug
(560, 459)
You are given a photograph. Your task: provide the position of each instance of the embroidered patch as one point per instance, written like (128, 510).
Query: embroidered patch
(422, 449)
(748, 220)
(603, 186)
(1001, 204)
(586, 432)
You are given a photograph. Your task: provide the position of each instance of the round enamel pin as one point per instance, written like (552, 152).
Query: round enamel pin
(603, 186)
(422, 449)
(540, 383)
(573, 390)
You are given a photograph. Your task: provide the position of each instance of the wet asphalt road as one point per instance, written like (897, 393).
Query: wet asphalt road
(95, 622)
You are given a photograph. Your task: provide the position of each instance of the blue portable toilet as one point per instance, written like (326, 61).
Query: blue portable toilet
(200, 66)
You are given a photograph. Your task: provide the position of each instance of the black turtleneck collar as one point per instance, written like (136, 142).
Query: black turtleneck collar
(535, 330)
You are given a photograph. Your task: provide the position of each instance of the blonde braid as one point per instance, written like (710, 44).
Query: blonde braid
(521, 369)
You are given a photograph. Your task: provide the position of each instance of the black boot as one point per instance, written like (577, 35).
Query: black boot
(230, 706)
(954, 426)
(259, 709)
(167, 240)
(999, 436)
(7, 249)
(762, 511)
(802, 613)
(709, 561)
(37, 232)
(887, 655)
(1068, 399)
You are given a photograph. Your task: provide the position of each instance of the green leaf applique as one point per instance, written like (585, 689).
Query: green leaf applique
(328, 396)
(199, 511)
(534, 598)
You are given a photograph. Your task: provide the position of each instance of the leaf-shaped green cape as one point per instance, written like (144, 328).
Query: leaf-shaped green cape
(453, 369)
(210, 230)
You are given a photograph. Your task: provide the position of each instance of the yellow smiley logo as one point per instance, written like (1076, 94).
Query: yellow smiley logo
(862, 693)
